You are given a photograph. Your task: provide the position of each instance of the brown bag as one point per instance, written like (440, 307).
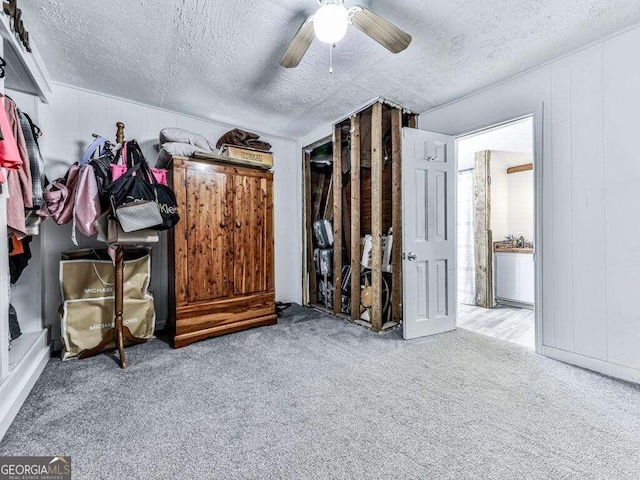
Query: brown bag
(85, 322)
(91, 278)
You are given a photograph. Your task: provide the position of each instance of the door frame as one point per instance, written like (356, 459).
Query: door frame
(492, 122)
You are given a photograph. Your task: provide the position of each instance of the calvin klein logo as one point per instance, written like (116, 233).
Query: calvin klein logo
(166, 209)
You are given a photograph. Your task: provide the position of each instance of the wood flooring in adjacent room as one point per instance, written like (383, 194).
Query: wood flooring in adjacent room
(515, 325)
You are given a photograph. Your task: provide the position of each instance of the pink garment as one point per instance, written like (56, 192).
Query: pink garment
(9, 155)
(87, 203)
(25, 170)
(19, 181)
(119, 170)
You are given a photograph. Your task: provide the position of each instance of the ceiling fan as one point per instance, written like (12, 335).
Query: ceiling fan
(330, 25)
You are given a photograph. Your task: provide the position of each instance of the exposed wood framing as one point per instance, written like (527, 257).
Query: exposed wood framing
(327, 214)
(355, 217)
(312, 296)
(346, 222)
(520, 168)
(376, 216)
(337, 219)
(315, 206)
(413, 121)
(483, 241)
(396, 200)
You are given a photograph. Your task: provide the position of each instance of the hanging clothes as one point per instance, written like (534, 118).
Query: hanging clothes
(17, 263)
(9, 155)
(19, 181)
(38, 178)
(36, 162)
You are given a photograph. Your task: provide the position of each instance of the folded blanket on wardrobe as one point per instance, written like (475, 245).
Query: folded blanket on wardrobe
(242, 138)
(258, 145)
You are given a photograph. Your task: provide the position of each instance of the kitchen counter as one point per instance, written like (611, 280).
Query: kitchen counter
(500, 247)
(512, 250)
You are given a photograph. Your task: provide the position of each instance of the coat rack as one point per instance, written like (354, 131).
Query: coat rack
(120, 332)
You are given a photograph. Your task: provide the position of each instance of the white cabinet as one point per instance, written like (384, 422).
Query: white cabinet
(514, 277)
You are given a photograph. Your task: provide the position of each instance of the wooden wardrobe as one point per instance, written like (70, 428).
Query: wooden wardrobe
(221, 263)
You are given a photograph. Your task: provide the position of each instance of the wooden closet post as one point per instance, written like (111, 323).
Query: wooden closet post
(310, 273)
(337, 219)
(413, 121)
(119, 281)
(396, 202)
(376, 216)
(119, 304)
(355, 217)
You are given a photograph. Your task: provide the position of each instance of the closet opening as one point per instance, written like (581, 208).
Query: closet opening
(353, 208)
(496, 228)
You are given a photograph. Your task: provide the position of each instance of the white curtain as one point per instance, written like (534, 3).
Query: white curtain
(466, 264)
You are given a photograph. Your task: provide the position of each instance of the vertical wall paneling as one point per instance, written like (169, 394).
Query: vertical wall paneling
(589, 275)
(355, 217)
(562, 212)
(92, 119)
(396, 181)
(622, 202)
(337, 219)
(376, 216)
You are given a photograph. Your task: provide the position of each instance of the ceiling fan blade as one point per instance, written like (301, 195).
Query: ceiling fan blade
(299, 45)
(381, 30)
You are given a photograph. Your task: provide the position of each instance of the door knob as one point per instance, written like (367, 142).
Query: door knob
(238, 224)
(412, 256)
(223, 224)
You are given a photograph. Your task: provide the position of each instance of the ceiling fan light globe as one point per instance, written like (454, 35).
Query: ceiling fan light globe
(330, 23)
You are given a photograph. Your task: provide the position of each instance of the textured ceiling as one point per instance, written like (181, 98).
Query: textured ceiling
(219, 59)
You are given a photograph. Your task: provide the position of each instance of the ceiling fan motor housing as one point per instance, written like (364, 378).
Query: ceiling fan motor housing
(330, 22)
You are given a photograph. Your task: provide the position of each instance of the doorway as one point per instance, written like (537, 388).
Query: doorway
(496, 225)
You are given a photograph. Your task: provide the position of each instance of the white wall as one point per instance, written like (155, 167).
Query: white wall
(512, 195)
(68, 122)
(520, 211)
(591, 173)
(499, 197)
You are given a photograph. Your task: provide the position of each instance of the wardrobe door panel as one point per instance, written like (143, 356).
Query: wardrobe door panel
(210, 235)
(253, 209)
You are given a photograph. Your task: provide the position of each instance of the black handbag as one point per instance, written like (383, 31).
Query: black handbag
(164, 195)
(133, 200)
(138, 184)
(133, 186)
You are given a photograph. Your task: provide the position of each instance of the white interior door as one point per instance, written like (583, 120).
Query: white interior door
(429, 242)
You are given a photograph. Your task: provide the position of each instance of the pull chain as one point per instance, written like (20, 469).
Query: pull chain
(331, 47)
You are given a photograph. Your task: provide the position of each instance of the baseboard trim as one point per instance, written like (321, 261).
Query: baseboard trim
(611, 369)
